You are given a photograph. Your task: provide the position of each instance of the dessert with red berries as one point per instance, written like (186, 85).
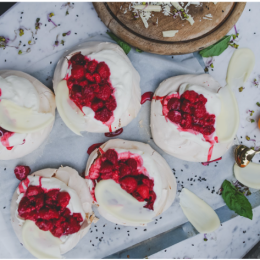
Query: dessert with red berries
(184, 118)
(97, 88)
(55, 205)
(130, 182)
(27, 113)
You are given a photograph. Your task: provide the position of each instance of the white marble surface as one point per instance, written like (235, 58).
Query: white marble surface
(106, 238)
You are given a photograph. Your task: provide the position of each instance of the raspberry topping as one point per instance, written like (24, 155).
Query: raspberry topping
(126, 171)
(89, 85)
(190, 113)
(21, 172)
(47, 208)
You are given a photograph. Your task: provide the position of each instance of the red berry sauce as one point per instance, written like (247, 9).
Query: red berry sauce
(48, 209)
(127, 170)
(93, 147)
(90, 86)
(189, 113)
(207, 163)
(147, 96)
(4, 136)
(116, 133)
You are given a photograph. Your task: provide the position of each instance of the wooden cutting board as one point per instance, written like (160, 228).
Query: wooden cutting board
(118, 17)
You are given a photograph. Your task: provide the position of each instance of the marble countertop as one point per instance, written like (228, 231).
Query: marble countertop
(83, 23)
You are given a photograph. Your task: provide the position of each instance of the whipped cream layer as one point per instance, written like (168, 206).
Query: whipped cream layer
(21, 92)
(184, 145)
(124, 79)
(154, 167)
(24, 91)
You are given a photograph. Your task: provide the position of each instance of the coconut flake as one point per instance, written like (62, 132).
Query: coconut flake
(169, 33)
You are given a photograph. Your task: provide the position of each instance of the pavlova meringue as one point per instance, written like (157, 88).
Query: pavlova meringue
(27, 113)
(129, 182)
(97, 88)
(51, 210)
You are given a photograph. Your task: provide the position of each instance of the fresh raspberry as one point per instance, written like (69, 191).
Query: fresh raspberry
(76, 92)
(77, 216)
(97, 77)
(197, 128)
(44, 225)
(57, 231)
(65, 212)
(111, 155)
(111, 103)
(132, 164)
(83, 83)
(47, 213)
(107, 175)
(103, 70)
(33, 191)
(208, 130)
(186, 106)
(52, 194)
(91, 66)
(202, 99)
(63, 199)
(151, 200)
(21, 172)
(103, 115)
(129, 184)
(71, 81)
(104, 92)
(73, 226)
(78, 72)
(198, 121)
(174, 104)
(115, 176)
(60, 222)
(39, 201)
(78, 59)
(174, 116)
(88, 94)
(186, 121)
(190, 95)
(51, 197)
(149, 183)
(97, 104)
(137, 196)
(209, 120)
(24, 206)
(89, 77)
(124, 170)
(143, 190)
(106, 167)
(96, 88)
(30, 215)
(199, 110)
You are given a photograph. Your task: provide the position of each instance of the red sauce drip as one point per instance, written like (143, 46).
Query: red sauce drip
(116, 133)
(147, 96)
(93, 147)
(207, 163)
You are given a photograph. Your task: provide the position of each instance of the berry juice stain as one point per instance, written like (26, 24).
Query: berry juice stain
(93, 147)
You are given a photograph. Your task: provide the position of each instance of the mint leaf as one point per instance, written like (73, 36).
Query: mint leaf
(138, 50)
(236, 201)
(121, 43)
(217, 48)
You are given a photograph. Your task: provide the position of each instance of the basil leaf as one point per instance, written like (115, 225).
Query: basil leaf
(217, 48)
(121, 43)
(236, 200)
